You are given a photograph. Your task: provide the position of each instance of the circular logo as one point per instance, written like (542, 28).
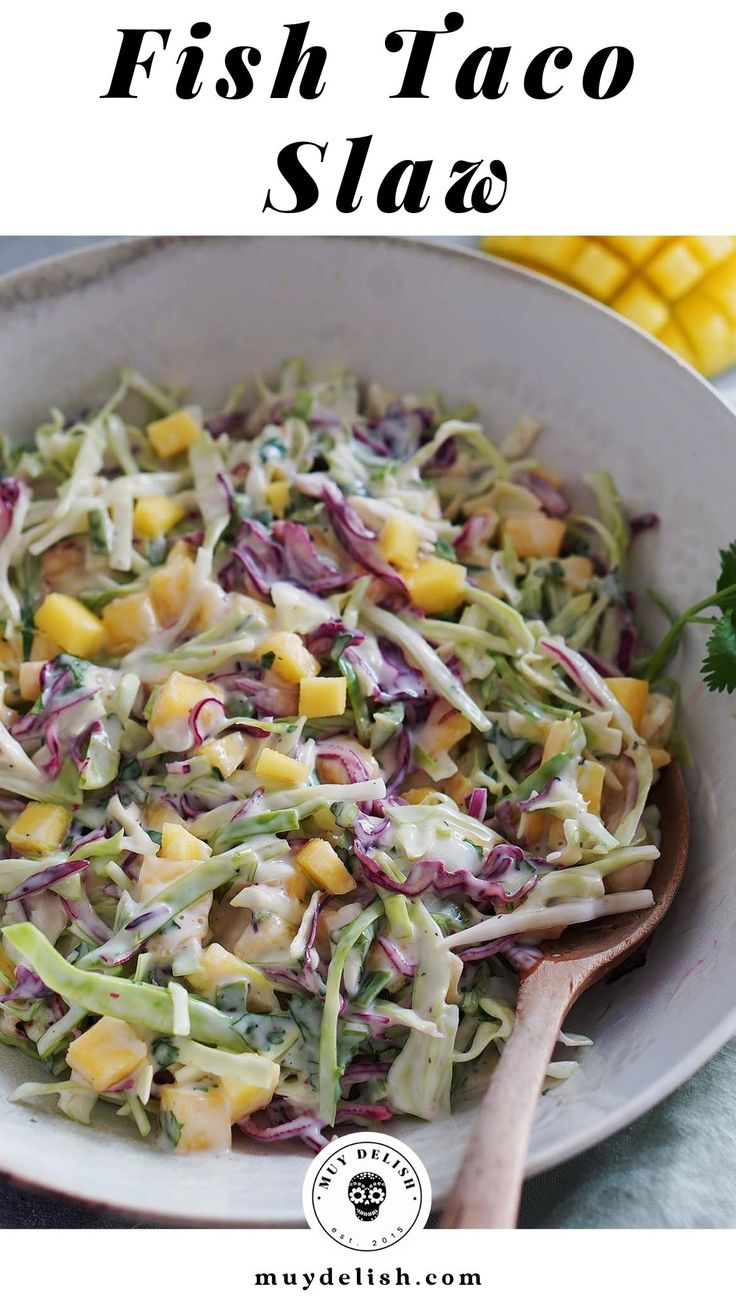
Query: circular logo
(367, 1191)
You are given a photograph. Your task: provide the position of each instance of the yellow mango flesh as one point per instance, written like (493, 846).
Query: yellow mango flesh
(277, 767)
(202, 1115)
(70, 625)
(322, 696)
(631, 694)
(129, 621)
(682, 289)
(173, 434)
(323, 866)
(39, 828)
(106, 1054)
(534, 535)
(436, 585)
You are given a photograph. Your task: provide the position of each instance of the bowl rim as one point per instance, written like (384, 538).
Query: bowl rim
(56, 274)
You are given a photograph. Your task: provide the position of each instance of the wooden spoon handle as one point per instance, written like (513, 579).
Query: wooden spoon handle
(488, 1188)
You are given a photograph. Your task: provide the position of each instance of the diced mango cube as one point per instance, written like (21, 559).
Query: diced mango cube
(169, 585)
(129, 621)
(578, 571)
(642, 305)
(399, 542)
(277, 497)
(29, 680)
(709, 332)
(39, 828)
(245, 1099)
(598, 271)
(291, 660)
(444, 727)
(43, 649)
(155, 515)
(322, 696)
(631, 694)
(419, 794)
(533, 828)
(590, 778)
(323, 866)
(635, 248)
(178, 695)
(273, 766)
(173, 434)
(436, 585)
(107, 1054)
(217, 966)
(226, 753)
(659, 756)
(202, 1117)
(72, 626)
(720, 285)
(178, 844)
(458, 787)
(674, 270)
(534, 535)
(159, 811)
(557, 252)
(559, 738)
(711, 250)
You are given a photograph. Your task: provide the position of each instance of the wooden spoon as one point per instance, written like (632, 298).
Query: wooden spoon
(488, 1188)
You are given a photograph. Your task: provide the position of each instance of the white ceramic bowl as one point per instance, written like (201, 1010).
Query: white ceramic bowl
(210, 311)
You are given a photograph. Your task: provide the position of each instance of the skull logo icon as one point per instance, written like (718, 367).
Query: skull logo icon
(366, 1192)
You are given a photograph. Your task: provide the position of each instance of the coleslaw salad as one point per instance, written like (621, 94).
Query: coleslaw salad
(318, 715)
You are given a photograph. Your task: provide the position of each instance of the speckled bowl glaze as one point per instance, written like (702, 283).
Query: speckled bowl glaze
(212, 311)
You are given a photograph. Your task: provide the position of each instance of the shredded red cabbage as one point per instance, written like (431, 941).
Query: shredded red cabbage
(358, 539)
(432, 873)
(396, 957)
(40, 879)
(303, 564)
(553, 502)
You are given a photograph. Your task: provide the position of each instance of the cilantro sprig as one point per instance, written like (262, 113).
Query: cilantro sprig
(719, 666)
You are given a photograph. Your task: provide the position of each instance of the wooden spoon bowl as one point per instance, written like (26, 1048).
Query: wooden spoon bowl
(487, 1190)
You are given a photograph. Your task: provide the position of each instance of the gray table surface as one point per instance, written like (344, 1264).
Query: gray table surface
(673, 1168)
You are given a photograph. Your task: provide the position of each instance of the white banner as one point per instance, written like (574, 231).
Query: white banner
(512, 116)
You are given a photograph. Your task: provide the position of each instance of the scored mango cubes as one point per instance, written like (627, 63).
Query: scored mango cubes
(682, 289)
